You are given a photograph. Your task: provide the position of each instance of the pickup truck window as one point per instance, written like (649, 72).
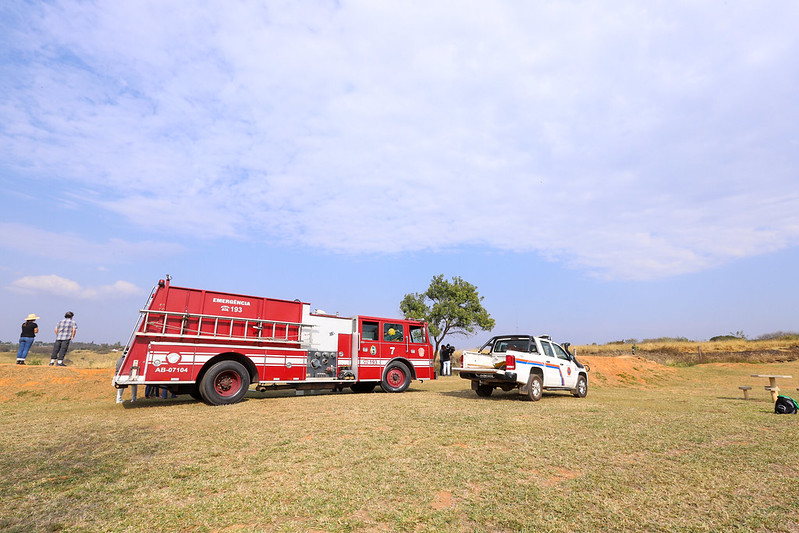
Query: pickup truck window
(560, 353)
(518, 345)
(547, 349)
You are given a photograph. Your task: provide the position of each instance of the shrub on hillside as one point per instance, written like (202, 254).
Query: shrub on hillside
(668, 339)
(720, 338)
(779, 335)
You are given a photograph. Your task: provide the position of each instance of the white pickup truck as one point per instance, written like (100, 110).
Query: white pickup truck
(527, 362)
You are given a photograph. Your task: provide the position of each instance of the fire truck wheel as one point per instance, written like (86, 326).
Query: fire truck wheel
(397, 377)
(196, 395)
(225, 382)
(363, 387)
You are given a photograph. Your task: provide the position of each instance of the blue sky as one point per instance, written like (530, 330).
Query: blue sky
(600, 170)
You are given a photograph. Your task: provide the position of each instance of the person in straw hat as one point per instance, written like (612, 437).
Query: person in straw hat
(29, 330)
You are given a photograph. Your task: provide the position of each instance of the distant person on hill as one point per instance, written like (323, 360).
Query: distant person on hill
(29, 330)
(64, 333)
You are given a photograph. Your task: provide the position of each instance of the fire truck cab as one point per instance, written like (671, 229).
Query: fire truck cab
(214, 346)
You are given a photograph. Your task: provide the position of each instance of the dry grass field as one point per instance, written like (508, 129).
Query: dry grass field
(691, 352)
(652, 448)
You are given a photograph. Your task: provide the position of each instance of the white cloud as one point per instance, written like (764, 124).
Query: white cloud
(629, 140)
(73, 247)
(59, 286)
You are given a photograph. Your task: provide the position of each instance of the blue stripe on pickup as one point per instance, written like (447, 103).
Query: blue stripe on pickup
(534, 363)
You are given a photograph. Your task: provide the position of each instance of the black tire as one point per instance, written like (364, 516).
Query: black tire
(363, 387)
(535, 388)
(226, 382)
(484, 391)
(582, 387)
(396, 377)
(196, 395)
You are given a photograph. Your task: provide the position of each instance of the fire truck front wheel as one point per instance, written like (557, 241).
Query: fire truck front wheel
(396, 378)
(225, 382)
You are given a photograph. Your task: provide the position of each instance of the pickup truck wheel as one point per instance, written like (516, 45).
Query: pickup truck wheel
(484, 390)
(397, 377)
(534, 388)
(226, 382)
(582, 387)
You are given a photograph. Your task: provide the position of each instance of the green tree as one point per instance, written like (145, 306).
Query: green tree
(449, 307)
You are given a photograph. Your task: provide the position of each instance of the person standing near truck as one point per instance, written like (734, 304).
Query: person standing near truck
(446, 359)
(29, 330)
(64, 333)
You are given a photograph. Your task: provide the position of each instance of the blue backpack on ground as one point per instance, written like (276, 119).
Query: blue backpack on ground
(785, 405)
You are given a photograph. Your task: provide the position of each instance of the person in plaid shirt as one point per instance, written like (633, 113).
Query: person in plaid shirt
(64, 332)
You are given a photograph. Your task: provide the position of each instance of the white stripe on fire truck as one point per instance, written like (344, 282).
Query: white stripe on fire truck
(228, 347)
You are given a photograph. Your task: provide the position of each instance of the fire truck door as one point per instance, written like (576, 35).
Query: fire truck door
(368, 365)
(393, 342)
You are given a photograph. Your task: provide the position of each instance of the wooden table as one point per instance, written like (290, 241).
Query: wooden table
(772, 384)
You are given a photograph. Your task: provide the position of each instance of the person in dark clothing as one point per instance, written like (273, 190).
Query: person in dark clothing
(29, 330)
(446, 356)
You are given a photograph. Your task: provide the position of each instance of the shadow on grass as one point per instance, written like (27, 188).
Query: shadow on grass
(500, 395)
(739, 399)
(266, 395)
(157, 402)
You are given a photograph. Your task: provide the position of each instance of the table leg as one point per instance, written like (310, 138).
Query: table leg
(775, 390)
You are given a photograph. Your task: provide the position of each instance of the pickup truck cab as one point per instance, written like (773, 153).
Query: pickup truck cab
(529, 363)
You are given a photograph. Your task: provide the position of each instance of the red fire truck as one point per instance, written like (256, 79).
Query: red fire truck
(214, 345)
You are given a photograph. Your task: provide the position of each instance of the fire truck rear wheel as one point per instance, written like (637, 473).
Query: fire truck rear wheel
(225, 382)
(397, 377)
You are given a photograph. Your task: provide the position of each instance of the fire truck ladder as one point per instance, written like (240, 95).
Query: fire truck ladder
(126, 350)
(170, 324)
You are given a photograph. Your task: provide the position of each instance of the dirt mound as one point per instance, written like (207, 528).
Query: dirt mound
(49, 382)
(626, 370)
